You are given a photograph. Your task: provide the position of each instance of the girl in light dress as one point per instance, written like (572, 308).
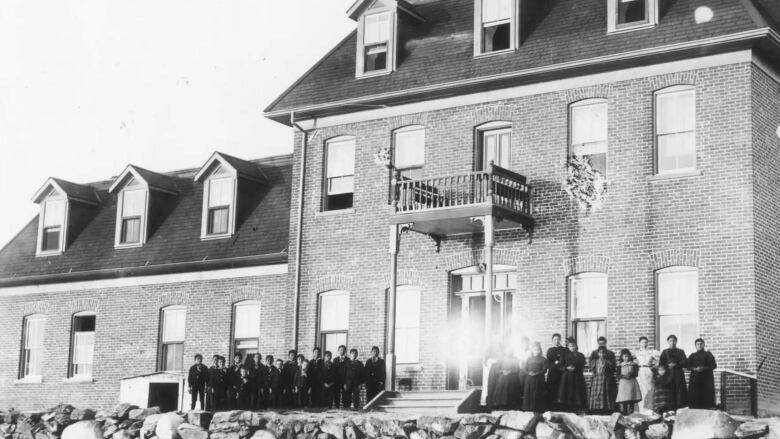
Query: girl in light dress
(647, 359)
(628, 389)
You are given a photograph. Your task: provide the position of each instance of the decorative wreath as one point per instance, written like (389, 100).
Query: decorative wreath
(383, 157)
(584, 184)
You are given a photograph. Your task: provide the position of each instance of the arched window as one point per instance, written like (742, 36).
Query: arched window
(333, 320)
(82, 345)
(588, 304)
(31, 367)
(246, 328)
(494, 144)
(407, 325)
(675, 129)
(678, 305)
(588, 132)
(409, 151)
(173, 321)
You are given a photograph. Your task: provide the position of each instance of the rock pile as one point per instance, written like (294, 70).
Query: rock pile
(130, 422)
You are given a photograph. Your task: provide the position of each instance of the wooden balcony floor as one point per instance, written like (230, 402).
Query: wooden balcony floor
(456, 220)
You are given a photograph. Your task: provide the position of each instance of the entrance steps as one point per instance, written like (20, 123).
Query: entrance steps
(426, 402)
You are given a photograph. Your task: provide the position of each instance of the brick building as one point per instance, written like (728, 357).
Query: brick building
(430, 153)
(131, 277)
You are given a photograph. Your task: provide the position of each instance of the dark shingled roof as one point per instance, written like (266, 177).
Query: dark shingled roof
(155, 180)
(264, 231)
(78, 192)
(244, 168)
(440, 51)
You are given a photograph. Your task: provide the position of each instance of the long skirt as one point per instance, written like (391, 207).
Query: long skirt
(601, 392)
(506, 391)
(535, 397)
(628, 391)
(701, 394)
(645, 381)
(571, 392)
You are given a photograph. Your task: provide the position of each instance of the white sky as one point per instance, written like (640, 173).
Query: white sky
(89, 86)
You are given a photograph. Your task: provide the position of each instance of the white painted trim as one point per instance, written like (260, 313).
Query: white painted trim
(218, 157)
(204, 221)
(160, 279)
(742, 56)
(613, 27)
(766, 68)
(120, 204)
(39, 252)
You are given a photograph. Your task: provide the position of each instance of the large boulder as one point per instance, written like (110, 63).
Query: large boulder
(335, 430)
(774, 428)
(82, 414)
(125, 434)
(473, 431)
(521, 421)
(440, 425)
(190, 431)
(419, 434)
(167, 425)
(83, 430)
(200, 418)
(639, 421)
(263, 434)
(149, 426)
(579, 427)
(122, 411)
(704, 424)
(141, 414)
(753, 429)
(658, 431)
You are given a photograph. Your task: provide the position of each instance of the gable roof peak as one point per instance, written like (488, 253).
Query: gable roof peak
(72, 191)
(361, 6)
(241, 168)
(152, 180)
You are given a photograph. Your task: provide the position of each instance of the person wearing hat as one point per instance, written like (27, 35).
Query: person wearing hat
(674, 359)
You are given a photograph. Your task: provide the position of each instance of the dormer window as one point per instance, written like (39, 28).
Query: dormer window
(53, 224)
(495, 26)
(376, 41)
(221, 201)
(632, 14)
(133, 215)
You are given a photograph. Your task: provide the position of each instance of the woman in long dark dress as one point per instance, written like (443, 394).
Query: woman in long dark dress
(535, 397)
(507, 383)
(603, 388)
(674, 359)
(701, 390)
(571, 392)
(555, 356)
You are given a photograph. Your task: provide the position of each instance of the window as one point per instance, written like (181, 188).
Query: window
(221, 192)
(376, 42)
(172, 340)
(632, 14)
(33, 353)
(340, 173)
(132, 213)
(675, 125)
(495, 145)
(407, 325)
(82, 345)
(496, 25)
(588, 309)
(589, 132)
(678, 306)
(409, 153)
(53, 223)
(334, 320)
(246, 328)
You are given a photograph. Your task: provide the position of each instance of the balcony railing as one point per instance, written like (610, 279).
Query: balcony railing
(495, 186)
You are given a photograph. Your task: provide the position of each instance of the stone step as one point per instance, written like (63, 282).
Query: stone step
(395, 402)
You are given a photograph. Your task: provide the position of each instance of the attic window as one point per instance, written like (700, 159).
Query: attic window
(632, 14)
(220, 204)
(376, 42)
(53, 213)
(495, 26)
(132, 215)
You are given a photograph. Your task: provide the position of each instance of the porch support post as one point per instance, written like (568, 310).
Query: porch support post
(391, 311)
(489, 240)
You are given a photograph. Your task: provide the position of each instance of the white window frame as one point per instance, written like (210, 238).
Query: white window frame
(661, 337)
(162, 350)
(72, 366)
(26, 356)
(514, 29)
(321, 333)
(405, 131)
(574, 320)
(231, 229)
(583, 104)
(326, 183)
(412, 331)
(120, 216)
(651, 9)
(53, 197)
(493, 128)
(233, 336)
(667, 91)
(391, 43)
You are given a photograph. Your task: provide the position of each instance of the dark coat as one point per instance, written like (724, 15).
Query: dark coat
(555, 364)
(571, 392)
(375, 371)
(198, 377)
(535, 396)
(315, 372)
(328, 373)
(233, 375)
(354, 373)
(340, 369)
(507, 388)
(677, 375)
(288, 373)
(701, 390)
(663, 393)
(274, 379)
(218, 379)
(258, 374)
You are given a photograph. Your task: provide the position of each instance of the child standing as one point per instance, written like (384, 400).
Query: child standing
(629, 392)
(243, 389)
(353, 378)
(302, 387)
(328, 379)
(197, 381)
(663, 391)
(219, 384)
(603, 388)
(275, 383)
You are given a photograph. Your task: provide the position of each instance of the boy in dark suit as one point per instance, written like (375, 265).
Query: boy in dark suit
(196, 381)
(233, 378)
(219, 385)
(302, 385)
(209, 390)
(328, 378)
(339, 369)
(275, 383)
(375, 374)
(288, 376)
(315, 379)
(353, 378)
(257, 377)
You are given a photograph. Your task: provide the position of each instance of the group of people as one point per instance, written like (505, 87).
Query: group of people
(258, 382)
(643, 379)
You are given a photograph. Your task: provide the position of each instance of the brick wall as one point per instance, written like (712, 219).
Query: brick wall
(127, 334)
(766, 179)
(707, 219)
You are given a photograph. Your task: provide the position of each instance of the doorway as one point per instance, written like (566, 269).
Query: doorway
(165, 396)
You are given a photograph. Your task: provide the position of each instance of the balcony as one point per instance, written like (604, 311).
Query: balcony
(444, 206)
